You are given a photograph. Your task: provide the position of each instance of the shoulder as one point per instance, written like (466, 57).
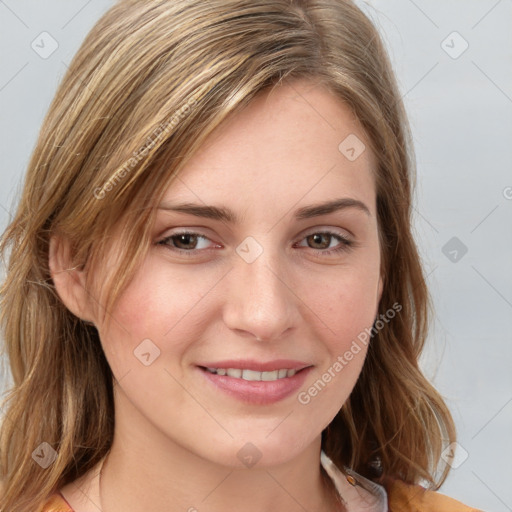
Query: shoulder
(56, 503)
(404, 497)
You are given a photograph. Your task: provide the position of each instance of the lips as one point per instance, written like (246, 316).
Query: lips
(256, 392)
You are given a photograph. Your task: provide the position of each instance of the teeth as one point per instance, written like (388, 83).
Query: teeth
(265, 375)
(253, 375)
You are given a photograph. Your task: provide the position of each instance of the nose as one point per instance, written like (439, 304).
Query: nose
(259, 299)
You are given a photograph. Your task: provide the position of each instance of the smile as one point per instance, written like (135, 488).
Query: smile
(256, 387)
(253, 375)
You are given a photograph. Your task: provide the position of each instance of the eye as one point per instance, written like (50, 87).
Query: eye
(322, 240)
(185, 242)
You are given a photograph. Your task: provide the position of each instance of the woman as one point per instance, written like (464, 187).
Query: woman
(213, 297)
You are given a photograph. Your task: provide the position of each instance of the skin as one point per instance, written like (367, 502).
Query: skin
(177, 436)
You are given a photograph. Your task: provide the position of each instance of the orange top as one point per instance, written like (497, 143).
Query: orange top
(401, 498)
(56, 503)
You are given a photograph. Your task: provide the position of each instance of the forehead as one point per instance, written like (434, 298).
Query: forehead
(286, 148)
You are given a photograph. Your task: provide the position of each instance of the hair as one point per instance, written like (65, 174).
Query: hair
(150, 82)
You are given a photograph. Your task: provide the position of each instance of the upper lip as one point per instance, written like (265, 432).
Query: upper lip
(258, 366)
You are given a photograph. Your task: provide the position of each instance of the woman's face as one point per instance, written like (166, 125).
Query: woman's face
(267, 277)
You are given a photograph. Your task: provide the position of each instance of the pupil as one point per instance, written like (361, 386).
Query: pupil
(185, 238)
(317, 239)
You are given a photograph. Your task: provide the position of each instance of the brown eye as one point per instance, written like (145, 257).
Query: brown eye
(320, 242)
(186, 243)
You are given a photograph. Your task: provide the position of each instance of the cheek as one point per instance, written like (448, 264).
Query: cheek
(162, 306)
(346, 302)
(345, 305)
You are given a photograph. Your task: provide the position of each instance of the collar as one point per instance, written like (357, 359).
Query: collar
(358, 493)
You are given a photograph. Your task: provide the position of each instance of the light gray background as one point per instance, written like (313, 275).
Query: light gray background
(460, 107)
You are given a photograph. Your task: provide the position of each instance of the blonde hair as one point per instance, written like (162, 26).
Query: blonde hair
(150, 82)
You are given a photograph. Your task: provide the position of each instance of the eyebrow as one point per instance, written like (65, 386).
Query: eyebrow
(227, 215)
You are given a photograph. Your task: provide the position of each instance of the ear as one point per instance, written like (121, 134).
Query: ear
(69, 282)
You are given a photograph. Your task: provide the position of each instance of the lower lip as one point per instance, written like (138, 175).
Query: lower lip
(258, 392)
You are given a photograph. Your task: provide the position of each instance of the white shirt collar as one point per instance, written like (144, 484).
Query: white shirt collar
(364, 496)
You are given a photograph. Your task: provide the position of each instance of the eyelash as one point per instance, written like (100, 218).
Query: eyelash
(346, 243)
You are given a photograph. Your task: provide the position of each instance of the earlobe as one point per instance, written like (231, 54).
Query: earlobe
(69, 279)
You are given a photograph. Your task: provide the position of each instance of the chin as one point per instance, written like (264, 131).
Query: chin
(258, 449)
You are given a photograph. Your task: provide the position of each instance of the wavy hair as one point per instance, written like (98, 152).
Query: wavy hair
(150, 82)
